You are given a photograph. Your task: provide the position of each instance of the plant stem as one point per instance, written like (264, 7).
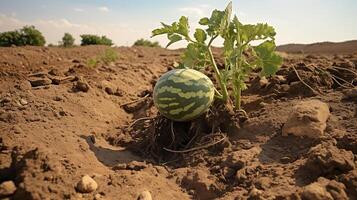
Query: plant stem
(238, 97)
(222, 85)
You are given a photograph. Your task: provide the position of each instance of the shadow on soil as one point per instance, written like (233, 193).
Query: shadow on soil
(109, 155)
(285, 150)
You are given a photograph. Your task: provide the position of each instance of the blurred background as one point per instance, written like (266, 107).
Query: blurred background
(124, 21)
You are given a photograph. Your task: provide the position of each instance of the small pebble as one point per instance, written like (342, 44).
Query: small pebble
(17, 129)
(23, 102)
(263, 81)
(86, 185)
(255, 193)
(98, 197)
(7, 188)
(144, 195)
(285, 159)
(57, 98)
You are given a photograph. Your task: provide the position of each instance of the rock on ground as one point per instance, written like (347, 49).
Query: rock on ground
(324, 189)
(81, 85)
(7, 188)
(40, 82)
(87, 185)
(308, 118)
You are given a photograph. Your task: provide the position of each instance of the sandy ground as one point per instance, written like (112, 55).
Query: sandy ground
(61, 119)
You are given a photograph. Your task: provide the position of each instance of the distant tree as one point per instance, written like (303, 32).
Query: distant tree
(10, 38)
(28, 35)
(146, 43)
(67, 40)
(32, 36)
(88, 39)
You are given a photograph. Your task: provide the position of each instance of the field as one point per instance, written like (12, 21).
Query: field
(62, 118)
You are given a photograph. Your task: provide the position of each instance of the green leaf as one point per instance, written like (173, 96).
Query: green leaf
(195, 56)
(158, 31)
(204, 21)
(225, 21)
(250, 32)
(173, 38)
(183, 27)
(215, 22)
(268, 59)
(200, 35)
(175, 32)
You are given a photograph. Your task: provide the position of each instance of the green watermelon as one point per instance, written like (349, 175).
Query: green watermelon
(183, 94)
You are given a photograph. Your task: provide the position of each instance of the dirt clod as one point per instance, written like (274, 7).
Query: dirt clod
(308, 118)
(324, 189)
(327, 160)
(199, 181)
(350, 181)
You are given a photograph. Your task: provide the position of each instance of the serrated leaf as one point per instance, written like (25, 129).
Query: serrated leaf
(183, 27)
(158, 31)
(215, 22)
(269, 60)
(173, 38)
(251, 32)
(189, 56)
(200, 35)
(194, 56)
(204, 21)
(224, 25)
(175, 32)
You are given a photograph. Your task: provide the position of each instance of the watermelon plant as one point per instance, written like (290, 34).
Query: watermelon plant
(241, 57)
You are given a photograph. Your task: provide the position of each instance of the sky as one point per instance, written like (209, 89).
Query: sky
(124, 21)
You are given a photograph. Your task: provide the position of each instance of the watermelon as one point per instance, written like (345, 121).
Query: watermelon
(183, 94)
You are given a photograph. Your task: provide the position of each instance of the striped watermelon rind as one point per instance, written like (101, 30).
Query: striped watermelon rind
(183, 94)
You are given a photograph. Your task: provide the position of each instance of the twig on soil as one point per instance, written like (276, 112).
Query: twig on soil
(197, 148)
(343, 80)
(168, 162)
(134, 101)
(349, 70)
(193, 138)
(138, 120)
(172, 133)
(244, 113)
(338, 83)
(333, 77)
(303, 82)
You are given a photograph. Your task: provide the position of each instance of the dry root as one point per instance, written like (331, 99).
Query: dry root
(166, 140)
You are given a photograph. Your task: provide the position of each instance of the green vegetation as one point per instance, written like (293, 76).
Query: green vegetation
(88, 39)
(107, 57)
(67, 40)
(237, 45)
(146, 43)
(28, 35)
